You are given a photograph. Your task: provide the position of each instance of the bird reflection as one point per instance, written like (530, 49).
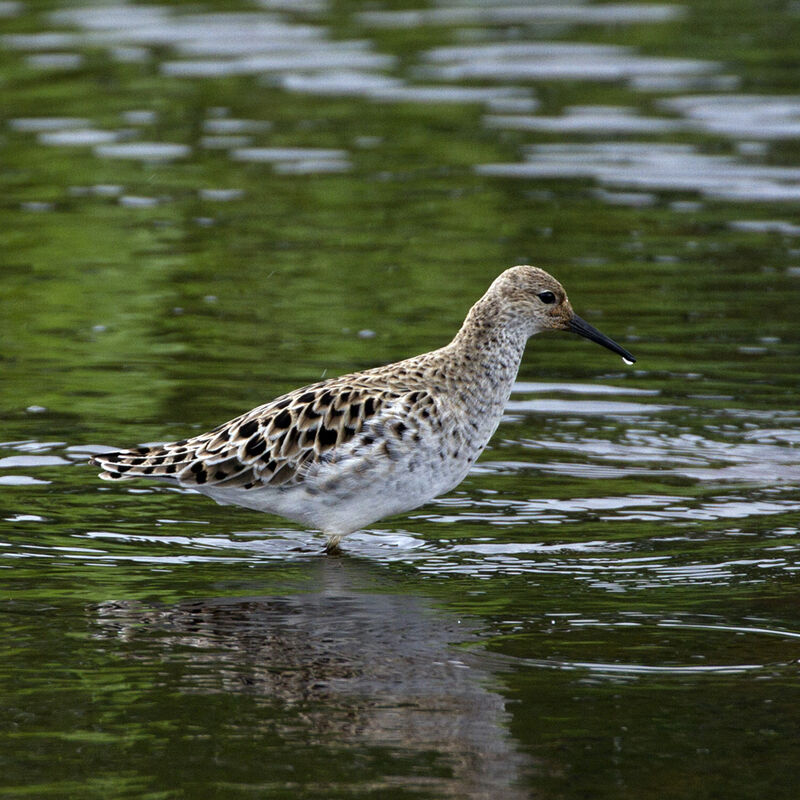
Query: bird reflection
(361, 668)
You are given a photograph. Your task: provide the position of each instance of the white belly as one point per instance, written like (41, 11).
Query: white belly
(345, 496)
(367, 481)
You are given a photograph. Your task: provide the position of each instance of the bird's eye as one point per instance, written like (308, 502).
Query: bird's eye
(547, 297)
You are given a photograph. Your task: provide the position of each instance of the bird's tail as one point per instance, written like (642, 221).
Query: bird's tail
(163, 462)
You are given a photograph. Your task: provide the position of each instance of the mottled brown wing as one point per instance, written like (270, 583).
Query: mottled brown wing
(270, 445)
(273, 444)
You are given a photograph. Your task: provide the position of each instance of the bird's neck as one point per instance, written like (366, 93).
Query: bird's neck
(485, 356)
(493, 331)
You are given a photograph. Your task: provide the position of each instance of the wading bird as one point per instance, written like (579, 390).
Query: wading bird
(342, 453)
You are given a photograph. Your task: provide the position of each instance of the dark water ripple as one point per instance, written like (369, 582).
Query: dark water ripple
(206, 206)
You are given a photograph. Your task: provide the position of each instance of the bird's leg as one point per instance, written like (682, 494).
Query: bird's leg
(332, 546)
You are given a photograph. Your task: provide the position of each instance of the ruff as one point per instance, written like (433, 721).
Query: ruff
(340, 454)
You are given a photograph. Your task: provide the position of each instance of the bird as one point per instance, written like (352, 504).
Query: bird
(343, 453)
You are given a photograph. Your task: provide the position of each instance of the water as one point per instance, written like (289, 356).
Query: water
(207, 205)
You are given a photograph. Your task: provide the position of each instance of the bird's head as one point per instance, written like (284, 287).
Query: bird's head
(539, 302)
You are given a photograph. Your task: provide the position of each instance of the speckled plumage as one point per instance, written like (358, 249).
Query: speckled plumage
(342, 453)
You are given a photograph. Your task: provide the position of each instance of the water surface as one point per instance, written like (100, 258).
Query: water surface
(207, 205)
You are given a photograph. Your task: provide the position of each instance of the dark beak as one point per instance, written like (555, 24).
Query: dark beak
(583, 328)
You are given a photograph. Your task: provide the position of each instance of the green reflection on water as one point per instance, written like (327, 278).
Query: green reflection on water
(156, 645)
